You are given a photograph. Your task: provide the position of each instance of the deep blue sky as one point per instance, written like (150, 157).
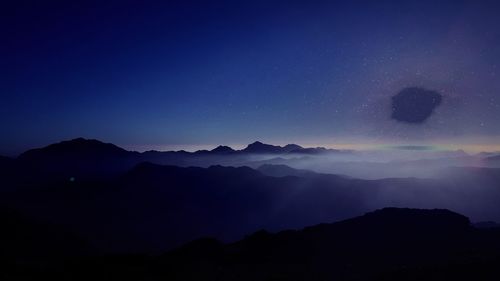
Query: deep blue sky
(193, 73)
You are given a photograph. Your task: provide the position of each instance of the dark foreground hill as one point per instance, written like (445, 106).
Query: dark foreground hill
(388, 244)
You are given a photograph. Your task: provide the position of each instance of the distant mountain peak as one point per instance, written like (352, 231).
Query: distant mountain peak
(292, 146)
(259, 147)
(84, 141)
(78, 157)
(79, 140)
(223, 149)
(80, 145)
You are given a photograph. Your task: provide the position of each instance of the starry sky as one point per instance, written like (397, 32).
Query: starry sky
(194, 74)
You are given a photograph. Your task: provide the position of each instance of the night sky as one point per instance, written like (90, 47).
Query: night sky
(192, 74)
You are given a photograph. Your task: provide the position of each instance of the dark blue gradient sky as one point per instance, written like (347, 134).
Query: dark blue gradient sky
(147, 74)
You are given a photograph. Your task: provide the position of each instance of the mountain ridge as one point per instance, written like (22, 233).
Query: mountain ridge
(380, 245)
(385, 244)
(83, 144)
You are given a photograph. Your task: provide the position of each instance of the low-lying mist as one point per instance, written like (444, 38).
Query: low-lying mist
(369, 164)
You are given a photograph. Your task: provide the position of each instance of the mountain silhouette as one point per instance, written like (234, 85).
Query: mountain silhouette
(291, 147)
(222, 149)
(78, 158)
(261, 148)
(88, 159)
(387, 244)
(155, 207)
(120, 202)
(78, 146)
(228, 202)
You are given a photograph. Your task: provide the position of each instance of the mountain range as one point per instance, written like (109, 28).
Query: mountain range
(91, 159)
(84, 207)
(86, 184)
